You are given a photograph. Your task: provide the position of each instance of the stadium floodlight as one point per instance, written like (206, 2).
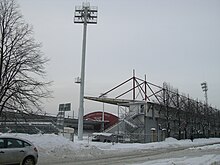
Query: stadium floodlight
(84, 14)
(205, 89)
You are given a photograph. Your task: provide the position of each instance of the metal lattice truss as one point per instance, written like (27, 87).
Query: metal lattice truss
(177, 113)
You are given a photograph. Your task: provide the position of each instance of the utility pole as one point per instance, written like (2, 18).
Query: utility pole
(84, 14)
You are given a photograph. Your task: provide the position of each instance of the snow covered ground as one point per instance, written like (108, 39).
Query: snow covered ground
(208, 157)
(56, 149)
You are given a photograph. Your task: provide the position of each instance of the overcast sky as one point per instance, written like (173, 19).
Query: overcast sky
(176, 41)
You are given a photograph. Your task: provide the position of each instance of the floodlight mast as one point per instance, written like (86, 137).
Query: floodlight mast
(84, 14)
(205, 89)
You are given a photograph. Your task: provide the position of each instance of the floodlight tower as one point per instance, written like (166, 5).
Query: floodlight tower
(84, 14)
(205, 89)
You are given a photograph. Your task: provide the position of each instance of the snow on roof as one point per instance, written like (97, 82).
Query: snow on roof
(153, 129)
(102, 133)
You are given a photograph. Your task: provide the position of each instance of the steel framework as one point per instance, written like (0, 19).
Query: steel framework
(180, 115)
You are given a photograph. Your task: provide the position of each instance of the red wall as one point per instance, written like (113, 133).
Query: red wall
(109, 118)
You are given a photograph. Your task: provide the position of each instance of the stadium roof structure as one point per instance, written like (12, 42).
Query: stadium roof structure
(114, 101)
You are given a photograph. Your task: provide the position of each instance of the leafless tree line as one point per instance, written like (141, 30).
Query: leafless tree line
(188, 116)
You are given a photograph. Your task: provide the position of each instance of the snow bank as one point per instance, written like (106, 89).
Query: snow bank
(168, 143)
(57, 146)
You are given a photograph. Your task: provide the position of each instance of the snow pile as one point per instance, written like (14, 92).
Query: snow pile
(57, 146)
(168, 143)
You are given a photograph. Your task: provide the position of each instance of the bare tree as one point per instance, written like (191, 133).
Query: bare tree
(22, 65)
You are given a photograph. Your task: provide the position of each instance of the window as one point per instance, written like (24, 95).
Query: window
(26, 144)
(142, 108)
(14, 143)
(2, 143)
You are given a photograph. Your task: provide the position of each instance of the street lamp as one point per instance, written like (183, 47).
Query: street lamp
(205, 89)
(84, 14)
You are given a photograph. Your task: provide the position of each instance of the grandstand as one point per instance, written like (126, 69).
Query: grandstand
(26, 123)
(33, 124)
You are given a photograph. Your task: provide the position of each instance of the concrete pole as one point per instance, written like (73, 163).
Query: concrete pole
(82, 82)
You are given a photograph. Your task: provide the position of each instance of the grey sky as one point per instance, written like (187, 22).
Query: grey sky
(177, 41)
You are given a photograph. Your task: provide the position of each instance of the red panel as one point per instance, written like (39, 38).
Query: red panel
(109, 118)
